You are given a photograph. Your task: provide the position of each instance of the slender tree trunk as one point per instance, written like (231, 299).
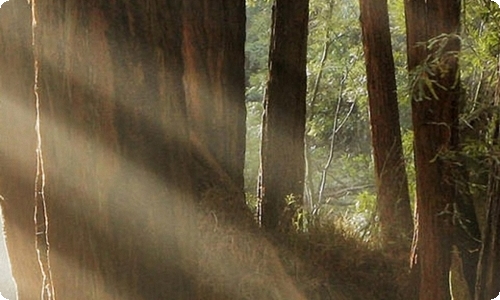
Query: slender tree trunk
(393, 200)
(488, 277)
(488, 270)
(309, 189)
(435, 118)
(337, 124)
(282, 150)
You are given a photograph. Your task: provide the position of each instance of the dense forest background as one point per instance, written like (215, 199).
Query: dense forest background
(251, 149)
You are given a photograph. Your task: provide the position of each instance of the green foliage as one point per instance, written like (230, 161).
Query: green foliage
(336, 84)
(338, 115)
(337, 95)
(301, 217)
(478, 62)
(424, 79)
(257, 48)
(366, 202)
(252, 160)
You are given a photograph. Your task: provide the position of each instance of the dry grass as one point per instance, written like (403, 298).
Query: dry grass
(236, 260)
(361, 268)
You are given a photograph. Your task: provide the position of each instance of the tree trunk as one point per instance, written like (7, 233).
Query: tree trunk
(488, 281)
(140, 112)
(488, 270)
(128, 96)
(435, 118)
(393, 199)
(117, 160)
(282, 149)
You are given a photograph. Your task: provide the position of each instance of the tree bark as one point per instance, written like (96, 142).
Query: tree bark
(214, 82)
(282, 149)
(17, 146)
(488, 281)
(488, 275)
(114, 137)
(141, 111)
(435, 129)
(115, 149)
(488, 269)
(393, 200)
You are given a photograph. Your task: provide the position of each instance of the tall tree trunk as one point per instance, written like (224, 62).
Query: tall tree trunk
(393, 198)
(282, 149)
(488, 276)
(435, 118)
(488, 270)
(127, 94)
(117, 160)
(115, 150)
(467, 232)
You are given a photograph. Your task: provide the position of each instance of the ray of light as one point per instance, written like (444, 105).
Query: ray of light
(224, 271)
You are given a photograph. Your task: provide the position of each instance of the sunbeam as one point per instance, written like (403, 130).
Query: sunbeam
(220, 258)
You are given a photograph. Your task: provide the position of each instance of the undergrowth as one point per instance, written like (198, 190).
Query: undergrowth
(237, 260)
(340, 259)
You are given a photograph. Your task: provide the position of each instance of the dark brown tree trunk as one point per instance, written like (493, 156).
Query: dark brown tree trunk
(488, 270)
(282, 150)
(467, 233)
(435, 118)
(488, 281)
(393, 199)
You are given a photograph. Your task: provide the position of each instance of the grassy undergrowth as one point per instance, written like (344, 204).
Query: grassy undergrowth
(339, 259)
(237, 260)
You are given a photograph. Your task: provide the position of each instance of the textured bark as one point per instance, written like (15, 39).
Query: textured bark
(488, 269)
(435, 130)
(282, 150)
(214, 81)
(393, 199)
(488, 281)
(121, 123)
(114, 127)
(467, 233)
(17, 145)
(115, 147)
